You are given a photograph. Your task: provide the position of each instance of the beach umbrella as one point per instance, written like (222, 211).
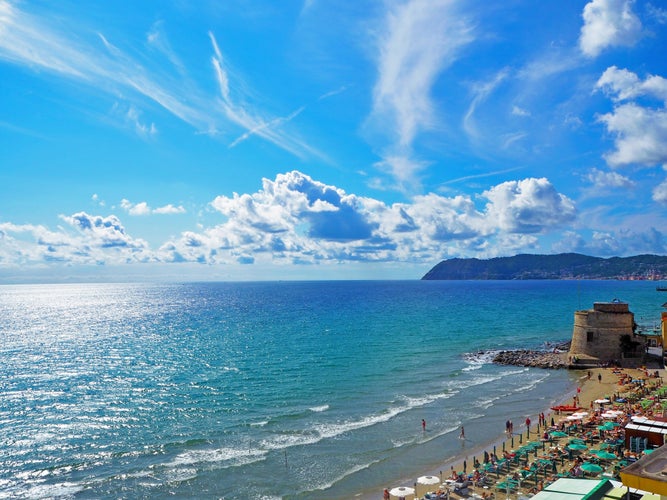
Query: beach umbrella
(604, 455)
(601, 401)
(402, 492)
(649, 451)
(580, 414)
(592, 468)
(577, 446)
(425, 484)
(558, 434)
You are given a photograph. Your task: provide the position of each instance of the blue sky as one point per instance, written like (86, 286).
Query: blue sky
(259, 140)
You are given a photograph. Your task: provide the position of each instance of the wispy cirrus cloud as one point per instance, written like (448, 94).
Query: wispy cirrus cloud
(408, 64)
(36, 42)
(268, 128)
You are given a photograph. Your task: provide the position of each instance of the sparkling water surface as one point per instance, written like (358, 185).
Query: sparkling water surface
(295, 390)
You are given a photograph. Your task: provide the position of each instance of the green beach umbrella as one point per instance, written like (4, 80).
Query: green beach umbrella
(604, 455)
(648, 451)
(577, 446)
(558, 434)
(577, 441)
(592, 468)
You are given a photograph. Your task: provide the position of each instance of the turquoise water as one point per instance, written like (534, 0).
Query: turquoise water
(295, 390)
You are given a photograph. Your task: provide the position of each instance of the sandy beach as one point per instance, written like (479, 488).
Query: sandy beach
(594, 384)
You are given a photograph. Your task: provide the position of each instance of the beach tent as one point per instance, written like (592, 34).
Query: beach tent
(426, 484)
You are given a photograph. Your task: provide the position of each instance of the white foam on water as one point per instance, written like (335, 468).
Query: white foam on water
(319, 409)
(221, 457)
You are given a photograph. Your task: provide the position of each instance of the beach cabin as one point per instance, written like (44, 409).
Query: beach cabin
(597, 336)
(645, 434)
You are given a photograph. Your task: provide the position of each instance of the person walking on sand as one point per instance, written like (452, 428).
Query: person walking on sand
(599, 378)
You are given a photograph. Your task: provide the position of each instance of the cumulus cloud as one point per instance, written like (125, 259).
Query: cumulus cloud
(103, 232)
(297, 220)
(601, 179)
(608, 23)
(142, 208)
(640, 131)
(623, 85)
(528, 206)
(93, 239)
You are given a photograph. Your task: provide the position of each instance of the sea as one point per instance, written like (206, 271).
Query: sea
(272, 390)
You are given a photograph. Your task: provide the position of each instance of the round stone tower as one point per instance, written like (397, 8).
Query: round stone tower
(597, 332)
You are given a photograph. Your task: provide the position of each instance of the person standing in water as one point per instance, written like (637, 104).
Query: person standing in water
(423, 425)
(463, 434)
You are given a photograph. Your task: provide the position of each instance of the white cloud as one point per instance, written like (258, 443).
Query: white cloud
(294, 220)
(623, 85)
(608, 23)
(601, 179)
(408, 65)
(39, 43)
(481, 92)
(641, 135)
(640, 132)
(528, 206)
(142, 208)
(268, 128)
(170, 209)
(518, 111)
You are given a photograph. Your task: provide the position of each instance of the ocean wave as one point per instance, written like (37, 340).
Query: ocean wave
(480, 357)
(221, 457)
(60, 490)
(318, 409)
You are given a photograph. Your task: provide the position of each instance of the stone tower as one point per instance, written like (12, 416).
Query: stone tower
(597, 332)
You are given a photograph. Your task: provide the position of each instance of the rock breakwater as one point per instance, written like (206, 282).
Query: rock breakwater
(536, 359)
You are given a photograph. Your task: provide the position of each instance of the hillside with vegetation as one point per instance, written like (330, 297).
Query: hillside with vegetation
(558, 266)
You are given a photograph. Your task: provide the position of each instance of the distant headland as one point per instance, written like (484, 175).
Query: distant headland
(556, 266)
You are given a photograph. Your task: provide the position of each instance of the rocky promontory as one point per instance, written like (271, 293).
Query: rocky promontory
(554, 359)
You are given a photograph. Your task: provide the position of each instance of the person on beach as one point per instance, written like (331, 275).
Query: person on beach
(423, 425)
(463, 434)
(507, 427)
(599, 378)
(386, 495)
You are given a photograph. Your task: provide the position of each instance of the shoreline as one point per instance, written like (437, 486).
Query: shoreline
(587, 387)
